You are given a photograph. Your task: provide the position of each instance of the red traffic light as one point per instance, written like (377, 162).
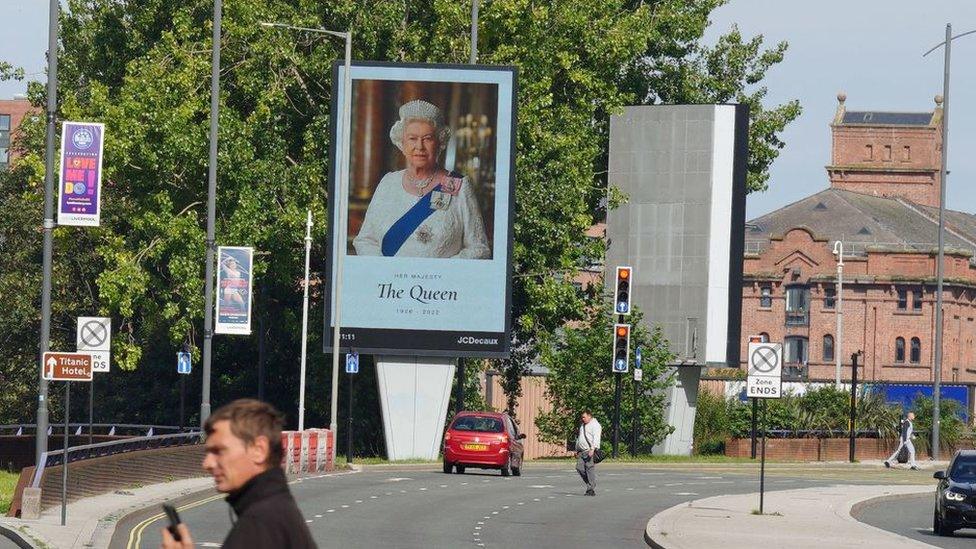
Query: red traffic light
(623, 331)
(623, 273)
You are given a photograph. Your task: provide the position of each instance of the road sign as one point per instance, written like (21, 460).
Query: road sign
(67, 366)
(94, 333)
(183, 364)
(100, 361)
(765, 370)
(637, 358)
(352, 363)
(638, 374)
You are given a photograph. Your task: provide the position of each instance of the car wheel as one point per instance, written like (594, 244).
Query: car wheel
(447, 467)
(459, 468)
(507, 468)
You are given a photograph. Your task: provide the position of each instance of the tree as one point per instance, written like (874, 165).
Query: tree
(579, 361)
(143, 68)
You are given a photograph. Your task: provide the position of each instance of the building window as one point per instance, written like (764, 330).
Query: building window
(869, 152)
(916, 355)
(916, 300)
(796, 350)
(830, 297)
(900, 349)
(797, 305)
(4, 141)
(828, 348)
(902, 299)
(766, 296)
(887, 153)
(906, 153)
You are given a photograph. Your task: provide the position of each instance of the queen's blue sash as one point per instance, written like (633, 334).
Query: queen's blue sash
(398, 234)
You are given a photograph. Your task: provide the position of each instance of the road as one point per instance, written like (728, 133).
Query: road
(424, 508)
(912, 517)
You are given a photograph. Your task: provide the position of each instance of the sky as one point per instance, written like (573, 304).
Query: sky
(870, 49)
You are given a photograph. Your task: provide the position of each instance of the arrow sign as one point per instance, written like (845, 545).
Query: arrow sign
(352, 363)
(637, 358)
(67, 366)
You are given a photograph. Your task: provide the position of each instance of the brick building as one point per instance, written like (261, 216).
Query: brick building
(882, 204)
(12, 112)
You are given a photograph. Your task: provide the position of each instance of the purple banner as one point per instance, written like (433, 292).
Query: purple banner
(79, 193)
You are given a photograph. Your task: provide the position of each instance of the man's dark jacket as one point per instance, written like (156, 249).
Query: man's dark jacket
(267, 515)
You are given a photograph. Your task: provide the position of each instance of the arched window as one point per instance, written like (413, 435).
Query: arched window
(916, 355)
(900, 349)
(828, 348)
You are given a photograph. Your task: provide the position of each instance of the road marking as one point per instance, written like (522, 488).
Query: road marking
(494, 512)
(443, 486)
(398, 479)
(331, 511)
(674, 484)
(345, 506)
(477, 528)
(309, 521)
(359, 501)
(652, 486)
(537, 499)
(372, 497)
(520, 503)
(135, 535)
(318, 516)
(481, 522)
(709, 478)
(685, 494)
(630, 489)
(209, 544)
(541, 486)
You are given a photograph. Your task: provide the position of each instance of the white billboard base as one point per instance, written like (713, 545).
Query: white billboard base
(681, 401)
(414, 395)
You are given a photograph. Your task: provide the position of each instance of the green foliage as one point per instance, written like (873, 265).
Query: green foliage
(824, 411)
(8, 482)
(143, 68)
(579, 361)
(951, 428)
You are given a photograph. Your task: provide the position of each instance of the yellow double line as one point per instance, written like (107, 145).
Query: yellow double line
(135, 535)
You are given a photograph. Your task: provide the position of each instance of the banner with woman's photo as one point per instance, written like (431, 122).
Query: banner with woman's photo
(234, 290)
(426, 241)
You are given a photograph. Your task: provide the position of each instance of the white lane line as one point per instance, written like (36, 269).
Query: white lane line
(443, 486)
(398, 479)
(331, 511)
(504, 506)
(463, 483)
(372, 497)
(481, 521)
(630, 489)
(345, 506)
(494, 512)
(309, 521)
(520, 503)
(318, 516)
(537, 499)
(686, 493)
(359, 501)
(652, 486)
(710, 478)
(477, 528)
(540, 486)
(423, 489)
(674, 484)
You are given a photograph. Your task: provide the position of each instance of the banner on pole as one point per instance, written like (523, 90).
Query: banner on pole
(80, 188)
(234, 290)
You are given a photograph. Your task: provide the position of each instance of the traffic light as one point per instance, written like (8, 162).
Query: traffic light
(621, 347)
(621, 293)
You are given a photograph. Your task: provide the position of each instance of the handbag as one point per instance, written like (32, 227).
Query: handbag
(598, 454)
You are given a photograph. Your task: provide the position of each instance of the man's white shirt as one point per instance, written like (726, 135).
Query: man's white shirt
(592, 431)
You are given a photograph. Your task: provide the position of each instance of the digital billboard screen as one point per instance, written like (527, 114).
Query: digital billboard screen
(426, 239)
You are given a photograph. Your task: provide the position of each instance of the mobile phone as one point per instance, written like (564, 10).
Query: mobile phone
(174, 521)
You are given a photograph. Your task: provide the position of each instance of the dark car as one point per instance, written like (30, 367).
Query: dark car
(486, 440)
(955, 498)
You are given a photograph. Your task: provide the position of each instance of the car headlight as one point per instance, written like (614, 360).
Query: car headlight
(954, 496)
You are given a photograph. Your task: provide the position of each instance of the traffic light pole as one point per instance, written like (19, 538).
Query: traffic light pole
(616, 406)
(633, 427)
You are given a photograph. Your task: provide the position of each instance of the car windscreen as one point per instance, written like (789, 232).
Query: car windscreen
(477, 423)
(964, 469)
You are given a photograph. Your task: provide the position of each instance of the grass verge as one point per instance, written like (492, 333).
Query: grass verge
(8, 481)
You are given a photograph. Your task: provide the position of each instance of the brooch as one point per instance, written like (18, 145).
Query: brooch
(424, 235)
(439, 200)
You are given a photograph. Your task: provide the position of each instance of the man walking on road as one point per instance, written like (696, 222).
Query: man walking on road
(907, 434)
(244, 457)
(587, 443)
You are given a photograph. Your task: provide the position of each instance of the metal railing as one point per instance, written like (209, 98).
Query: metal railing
(54, 458)
(116, 429)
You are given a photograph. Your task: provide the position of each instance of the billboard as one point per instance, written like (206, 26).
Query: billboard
(426, 239)
(80, 188)
(234, 281)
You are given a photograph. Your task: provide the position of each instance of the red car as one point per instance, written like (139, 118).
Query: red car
(486, 440)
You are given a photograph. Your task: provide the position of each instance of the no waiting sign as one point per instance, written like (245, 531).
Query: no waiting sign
(765, 370)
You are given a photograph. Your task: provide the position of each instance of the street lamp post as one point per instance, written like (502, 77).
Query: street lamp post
(838, 349)
(342, 194)
(937, 382)
(301, 392)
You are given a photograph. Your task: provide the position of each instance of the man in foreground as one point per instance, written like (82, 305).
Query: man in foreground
(244, 456)
(586, 444)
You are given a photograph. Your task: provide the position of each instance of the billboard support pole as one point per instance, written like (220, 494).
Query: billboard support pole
(301, 391)
(64, 454)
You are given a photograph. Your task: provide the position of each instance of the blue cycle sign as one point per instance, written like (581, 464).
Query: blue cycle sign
(352, 363)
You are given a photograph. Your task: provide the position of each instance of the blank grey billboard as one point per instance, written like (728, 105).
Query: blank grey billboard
(683, 168)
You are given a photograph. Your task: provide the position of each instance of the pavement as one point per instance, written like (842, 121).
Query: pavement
(809, 518)
(91, 521)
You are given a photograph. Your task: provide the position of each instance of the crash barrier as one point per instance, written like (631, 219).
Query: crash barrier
(308, 451)
(99, 468)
